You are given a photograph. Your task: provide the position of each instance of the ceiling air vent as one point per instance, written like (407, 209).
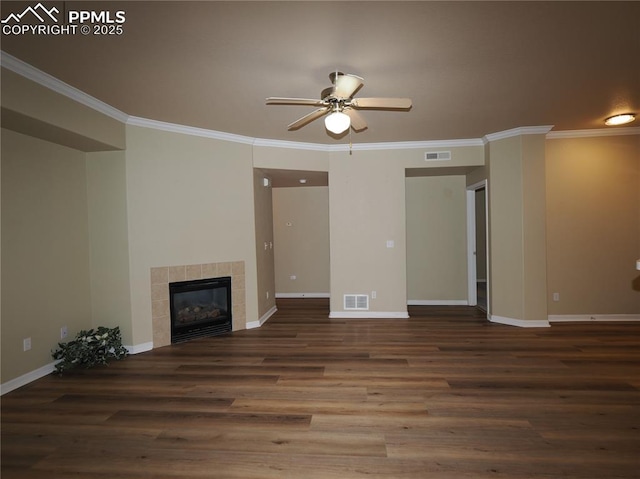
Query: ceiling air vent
(437, 155)
(356, 301)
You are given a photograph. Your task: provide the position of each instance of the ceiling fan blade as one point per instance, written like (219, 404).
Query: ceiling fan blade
(382, 103)
(347, 85)
(357, 121)
(275, 100)
(308, 118)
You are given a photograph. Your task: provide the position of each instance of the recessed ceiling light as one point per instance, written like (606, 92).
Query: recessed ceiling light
(622, 119)
(302, 180)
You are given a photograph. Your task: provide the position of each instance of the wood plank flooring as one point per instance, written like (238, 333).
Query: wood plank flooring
(443, 395)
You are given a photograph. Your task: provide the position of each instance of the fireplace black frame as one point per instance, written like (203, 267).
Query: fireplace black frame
(201, 328)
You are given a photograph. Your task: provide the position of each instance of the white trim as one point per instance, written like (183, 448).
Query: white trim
(294, 145)
(44, 79)
(522, 323)
(263, 319)
(51, 367)
(409, 145)
(437, 302)
(398, 145)
(303, 295)
(472, 287)
(27, 378)
(523, 130)
(567, 318)
(368, 315)
(553, 135)
(188, 130)
(140, 348)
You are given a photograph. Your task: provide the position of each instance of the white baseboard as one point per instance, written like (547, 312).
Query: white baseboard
(521, 323)
(368, 315)
(568, 318)
(140, 348)
(27, 378)
(263, 319)
(51, 367)
(303, 295)
(437, 302)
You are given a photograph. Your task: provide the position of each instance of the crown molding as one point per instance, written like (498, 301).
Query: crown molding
(408, 145)
(52, 83)
(523, 130)
(553, 135)
(294, 145)
(398, 145)
(189, 130)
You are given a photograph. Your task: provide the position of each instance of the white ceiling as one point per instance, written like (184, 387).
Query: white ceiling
(471, 68)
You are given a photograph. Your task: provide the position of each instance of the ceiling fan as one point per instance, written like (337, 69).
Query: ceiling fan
(338, 103)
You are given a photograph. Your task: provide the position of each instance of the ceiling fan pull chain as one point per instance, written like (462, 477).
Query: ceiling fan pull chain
(350, 144)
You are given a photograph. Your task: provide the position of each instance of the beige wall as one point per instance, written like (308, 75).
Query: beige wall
(264, 247)
(534, 227)
(593, 225)
(45, 250)
(109, 239)
(505, 218)
(189, 201)
(517, 229)
(290, 158)
(436, 239)
(367, 204)
(301, 249)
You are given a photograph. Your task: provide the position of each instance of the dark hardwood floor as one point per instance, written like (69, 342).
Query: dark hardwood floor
(445, 394)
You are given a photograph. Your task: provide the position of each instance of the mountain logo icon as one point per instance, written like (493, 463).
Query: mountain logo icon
(40, 12)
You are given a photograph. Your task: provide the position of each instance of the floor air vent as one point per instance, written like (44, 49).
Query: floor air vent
(437, 155)
(356, 301)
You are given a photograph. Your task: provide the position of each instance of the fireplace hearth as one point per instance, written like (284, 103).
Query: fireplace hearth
(200, 308)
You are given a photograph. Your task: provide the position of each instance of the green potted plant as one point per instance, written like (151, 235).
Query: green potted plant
(89, 348)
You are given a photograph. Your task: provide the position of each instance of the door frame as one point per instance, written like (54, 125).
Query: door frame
(472, 293)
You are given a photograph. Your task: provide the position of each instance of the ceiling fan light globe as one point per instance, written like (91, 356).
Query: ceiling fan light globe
(337, 122)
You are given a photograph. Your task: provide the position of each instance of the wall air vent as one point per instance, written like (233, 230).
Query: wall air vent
(356, 301)
(437, 155)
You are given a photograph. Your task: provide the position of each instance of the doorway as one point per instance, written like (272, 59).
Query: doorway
(477, 245)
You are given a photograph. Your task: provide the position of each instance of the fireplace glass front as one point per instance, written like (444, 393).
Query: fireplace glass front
(200, 308)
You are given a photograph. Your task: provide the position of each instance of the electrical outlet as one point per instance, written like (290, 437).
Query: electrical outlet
(293, 277)
(556, 296)
(267, 294)
(26, 344)
(64, 332)
(373, 295)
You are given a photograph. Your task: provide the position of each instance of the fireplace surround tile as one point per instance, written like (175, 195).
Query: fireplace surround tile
(224, 269)
(163, 275)
(194, 271)
(237, 267)
(237, 282)
(177, 273)
(159, 292)
(159, 275)
(210, 270)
